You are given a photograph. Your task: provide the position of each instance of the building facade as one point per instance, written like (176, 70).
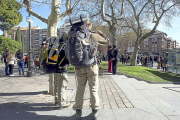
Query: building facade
(155, 44)
(37, 35)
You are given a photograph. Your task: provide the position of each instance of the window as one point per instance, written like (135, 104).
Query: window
(145, 39)
(154, 36)
(154, 39)
(44, 30)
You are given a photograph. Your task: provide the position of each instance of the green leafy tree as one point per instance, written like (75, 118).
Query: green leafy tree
(9, 14)
(18, 36)
(22, 42)
(8, 42)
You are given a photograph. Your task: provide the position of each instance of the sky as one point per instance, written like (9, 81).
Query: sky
(44, 11)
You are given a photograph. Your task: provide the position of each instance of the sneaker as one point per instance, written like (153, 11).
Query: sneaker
(78, 114)
(94, 114)
(12, 75)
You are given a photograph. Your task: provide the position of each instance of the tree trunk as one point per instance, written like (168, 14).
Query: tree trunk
(114, 36)
(52, 32)
(134, 58)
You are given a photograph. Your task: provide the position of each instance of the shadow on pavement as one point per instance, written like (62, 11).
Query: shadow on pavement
(171, 77)
(38, 111)
(23, 93)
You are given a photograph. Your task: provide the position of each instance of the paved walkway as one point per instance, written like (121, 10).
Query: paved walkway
(121, 98)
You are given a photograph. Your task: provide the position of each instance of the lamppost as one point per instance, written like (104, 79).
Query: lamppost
(30, 71)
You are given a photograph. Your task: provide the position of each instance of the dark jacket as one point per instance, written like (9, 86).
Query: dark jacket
(114, 54)
(5, 54)
(20, 56)
(109, 54)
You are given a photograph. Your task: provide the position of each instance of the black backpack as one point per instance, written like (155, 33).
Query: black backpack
(80, 48)
(52, 59)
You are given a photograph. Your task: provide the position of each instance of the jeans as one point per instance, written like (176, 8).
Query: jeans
(6, 69)
(151, 64)
(21, 66)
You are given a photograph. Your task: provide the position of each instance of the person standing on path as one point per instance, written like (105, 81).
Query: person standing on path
(109, 59)
(10, 61)
(88, 73)
(20, 59)
(114, 54)
(26, 60)
(164, 63)
(5, 54)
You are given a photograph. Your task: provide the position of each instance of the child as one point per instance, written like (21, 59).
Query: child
(10, 62)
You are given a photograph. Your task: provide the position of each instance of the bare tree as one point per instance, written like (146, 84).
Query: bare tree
(144, 11)
(111, 15)
(52, 21)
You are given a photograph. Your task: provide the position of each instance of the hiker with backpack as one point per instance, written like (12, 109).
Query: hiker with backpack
(81, 50)
(52, 60)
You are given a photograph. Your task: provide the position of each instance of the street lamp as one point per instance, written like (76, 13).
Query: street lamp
(30, 71)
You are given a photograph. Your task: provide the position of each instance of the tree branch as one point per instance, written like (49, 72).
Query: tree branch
(103, 13)
(29, 10)
(68, 9)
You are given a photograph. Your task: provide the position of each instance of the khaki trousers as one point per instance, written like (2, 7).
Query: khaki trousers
(60, 85)
(89, 73)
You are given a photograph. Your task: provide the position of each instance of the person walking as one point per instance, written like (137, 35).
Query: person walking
(164, 63)
(20, 59)
(109, 59)
(114, 54)
(5, 54)
(10, 61)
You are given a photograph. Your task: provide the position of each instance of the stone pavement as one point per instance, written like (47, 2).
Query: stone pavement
(121, 98)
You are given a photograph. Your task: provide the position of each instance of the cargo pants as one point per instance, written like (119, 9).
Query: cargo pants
(90, 74)
(60, 85)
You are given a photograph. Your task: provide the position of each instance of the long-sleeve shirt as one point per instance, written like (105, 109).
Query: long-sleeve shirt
(11, 60)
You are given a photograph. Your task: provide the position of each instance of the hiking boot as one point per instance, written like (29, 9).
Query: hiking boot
(65, 105)
(94, 114)
(78, 114)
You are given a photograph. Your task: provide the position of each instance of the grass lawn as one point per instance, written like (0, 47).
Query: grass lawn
(71, 68)
(145, 73)
(1, 63)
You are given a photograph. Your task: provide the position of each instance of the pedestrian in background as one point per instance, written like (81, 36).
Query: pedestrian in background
(26, 61)
(164, 64)
(158, 61)
(20, 59)
(114, 54)
(161, 61)
(5, 54)
(109, 59)
(122, 58)
(125, 58)
(10, 61)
